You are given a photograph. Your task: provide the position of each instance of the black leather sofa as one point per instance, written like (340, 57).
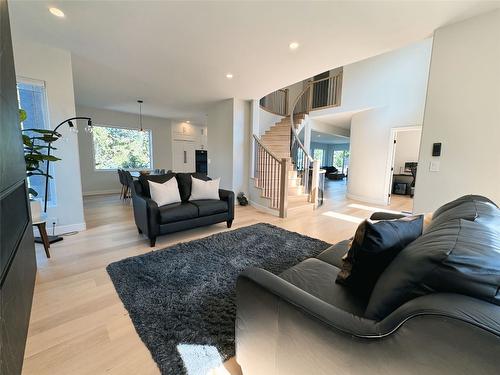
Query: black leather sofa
(434, 310)
(154, 221)
(333, 173)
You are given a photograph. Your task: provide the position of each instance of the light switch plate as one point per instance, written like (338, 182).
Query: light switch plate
(434, 166)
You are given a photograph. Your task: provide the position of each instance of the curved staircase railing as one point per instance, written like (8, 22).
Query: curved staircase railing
(271, 175)
(276, 102)
(298, 153)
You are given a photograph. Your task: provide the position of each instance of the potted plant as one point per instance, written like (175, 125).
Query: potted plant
(37, 143)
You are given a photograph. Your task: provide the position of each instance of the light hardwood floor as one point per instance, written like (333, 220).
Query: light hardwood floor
(78, 323)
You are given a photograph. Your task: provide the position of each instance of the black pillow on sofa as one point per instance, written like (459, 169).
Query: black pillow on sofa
(373, 248)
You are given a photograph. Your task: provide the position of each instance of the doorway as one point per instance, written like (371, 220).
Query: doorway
(402, 172)
(183, 156)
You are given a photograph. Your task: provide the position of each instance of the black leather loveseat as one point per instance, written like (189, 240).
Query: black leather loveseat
(154, 221)
(434, 310)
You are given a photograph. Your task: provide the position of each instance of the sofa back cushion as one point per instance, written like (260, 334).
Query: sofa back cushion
(184, 182)
(456, 255)
(160, 178)
(468, 207)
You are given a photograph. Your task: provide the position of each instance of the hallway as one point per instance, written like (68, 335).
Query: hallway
(336, 192)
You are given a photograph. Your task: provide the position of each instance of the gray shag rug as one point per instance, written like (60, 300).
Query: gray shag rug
(182, 299)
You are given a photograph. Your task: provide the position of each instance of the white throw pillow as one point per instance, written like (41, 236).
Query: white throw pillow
(204, 189)
(165, 193)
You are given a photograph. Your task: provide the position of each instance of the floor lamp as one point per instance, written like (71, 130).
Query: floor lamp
(68, 121)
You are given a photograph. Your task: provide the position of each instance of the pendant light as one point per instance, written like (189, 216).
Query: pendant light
(140, 114)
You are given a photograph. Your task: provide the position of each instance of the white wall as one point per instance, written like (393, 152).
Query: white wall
(53, 65)
(266, 120)
(407, 148)
(241, 145)
(220, 143)
(392, 86)
(105, 182)
(229, 122)
(462, 112)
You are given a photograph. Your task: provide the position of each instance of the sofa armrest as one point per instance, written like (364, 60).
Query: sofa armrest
(282, 290)
(146, 215)
(228, 196)
(386, 216)
(281, 329)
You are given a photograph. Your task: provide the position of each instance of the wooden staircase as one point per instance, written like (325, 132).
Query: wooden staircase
(277, 141)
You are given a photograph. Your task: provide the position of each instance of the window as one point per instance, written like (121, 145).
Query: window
(341, 160)
(318, 155)
(121, 148)
(32, 98)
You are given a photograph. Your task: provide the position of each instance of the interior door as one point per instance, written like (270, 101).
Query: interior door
(183, 158)
(391, 172)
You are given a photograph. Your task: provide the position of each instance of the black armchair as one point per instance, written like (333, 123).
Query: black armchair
(154, 221)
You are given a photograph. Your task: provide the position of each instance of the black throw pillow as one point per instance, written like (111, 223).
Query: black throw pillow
(373, 248)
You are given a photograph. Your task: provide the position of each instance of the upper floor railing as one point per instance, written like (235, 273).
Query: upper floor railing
(321, 93)
(276, 102)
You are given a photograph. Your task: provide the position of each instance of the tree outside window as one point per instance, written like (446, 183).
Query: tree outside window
(341, 160)
(318, 155)
(121, 148)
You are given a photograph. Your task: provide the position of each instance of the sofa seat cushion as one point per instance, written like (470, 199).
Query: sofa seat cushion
(333, 255)
(207, 207)
(177, 212)
(318, 278)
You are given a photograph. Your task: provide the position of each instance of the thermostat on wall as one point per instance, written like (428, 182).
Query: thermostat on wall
(436, 149)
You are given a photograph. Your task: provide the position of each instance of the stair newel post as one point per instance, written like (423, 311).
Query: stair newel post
(283, 188)
(314, 182)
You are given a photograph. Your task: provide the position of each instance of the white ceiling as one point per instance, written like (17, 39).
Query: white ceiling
(321, 137)
(338, 120)
(175, 55)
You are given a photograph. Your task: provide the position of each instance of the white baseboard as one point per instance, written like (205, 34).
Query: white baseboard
(366, 199)
(262, 208)
(61, 229)
(101, 192)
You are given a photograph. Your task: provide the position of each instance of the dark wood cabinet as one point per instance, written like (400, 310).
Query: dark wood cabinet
(17, 249)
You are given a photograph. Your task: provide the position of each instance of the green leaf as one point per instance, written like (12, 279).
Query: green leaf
(40, 157)
(27, 141)
(37, 147)
(22, 115)
(43, 131)
(33, 192)
(47, 138)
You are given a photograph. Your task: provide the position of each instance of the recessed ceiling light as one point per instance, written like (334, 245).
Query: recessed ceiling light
(188, 122)
(229, 75)
(56, 12)
(293, 45)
